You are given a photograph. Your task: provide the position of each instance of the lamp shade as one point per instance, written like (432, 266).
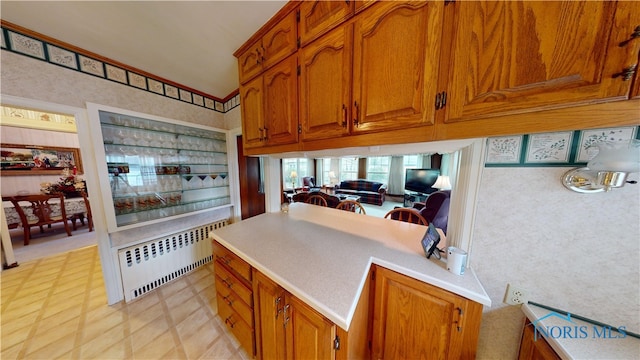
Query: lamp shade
(442, 183)
(332, 174)
(294, 174)
(617, 157)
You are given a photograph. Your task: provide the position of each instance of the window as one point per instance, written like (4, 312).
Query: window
(299, 167)
(378, 168)
(348, 169)
(342, 169)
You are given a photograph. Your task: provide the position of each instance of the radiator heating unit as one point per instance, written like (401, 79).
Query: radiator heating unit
(147, 266)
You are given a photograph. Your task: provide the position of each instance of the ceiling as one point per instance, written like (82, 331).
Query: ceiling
(187, 42)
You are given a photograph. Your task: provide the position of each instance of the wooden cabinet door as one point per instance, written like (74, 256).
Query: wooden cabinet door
(309, 334)
(281, 41)
(251, 98)
(269, 302)
(318, 17)
(395, 65)
(414, 320)
(250, 62)
(512, 57)
(535, 348)
(281, 103)
(325, 85)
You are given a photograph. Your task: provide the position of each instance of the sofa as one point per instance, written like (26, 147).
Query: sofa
(370, 192)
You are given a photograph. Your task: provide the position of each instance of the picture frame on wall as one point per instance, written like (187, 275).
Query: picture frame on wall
(588, 138)
(504, 150)
(549, 147)
(16, 159)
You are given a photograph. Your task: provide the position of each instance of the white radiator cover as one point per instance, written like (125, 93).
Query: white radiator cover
(147, 266)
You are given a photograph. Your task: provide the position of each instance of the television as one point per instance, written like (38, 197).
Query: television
(421, 180)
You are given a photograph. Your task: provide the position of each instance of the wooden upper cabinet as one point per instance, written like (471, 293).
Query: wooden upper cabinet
(318, 17)
(325, 85)
(250, 62)
(276, 44)
(395, 65)
(281, 41)
(512, 57)
(252, 109)
(281, 102)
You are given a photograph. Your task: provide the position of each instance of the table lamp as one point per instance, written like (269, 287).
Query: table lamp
(294, 175)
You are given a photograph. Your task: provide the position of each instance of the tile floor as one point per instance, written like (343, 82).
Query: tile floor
(56, 308)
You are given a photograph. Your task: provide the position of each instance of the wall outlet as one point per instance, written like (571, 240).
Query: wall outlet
(515, 295)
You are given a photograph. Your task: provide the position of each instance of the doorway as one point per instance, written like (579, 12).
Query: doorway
(51, 125)
(251, 178)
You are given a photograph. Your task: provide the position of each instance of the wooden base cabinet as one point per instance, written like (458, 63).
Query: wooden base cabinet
(532, 348)
(234, 295)
(287, 327)
(415, 320)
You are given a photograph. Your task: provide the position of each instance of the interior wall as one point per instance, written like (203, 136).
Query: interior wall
(29, 78)
(572, 251)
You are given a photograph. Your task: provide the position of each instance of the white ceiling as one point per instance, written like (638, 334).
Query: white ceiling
(187, 42)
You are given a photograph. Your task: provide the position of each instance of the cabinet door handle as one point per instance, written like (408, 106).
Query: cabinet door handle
(626, 73)
(266, 133)
(634, 35)
(278, 309)
(264, 52)
(459, 321)
(355, 118)
(344, 116)
(261, 136)
(286, 318)
(260, 57)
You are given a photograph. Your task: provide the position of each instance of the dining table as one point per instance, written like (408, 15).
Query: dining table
(71, 206)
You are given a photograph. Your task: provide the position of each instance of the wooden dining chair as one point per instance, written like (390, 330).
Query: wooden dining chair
(317, 200)
(81, 216)
(351, 205)
(407, 215)
(42, 213)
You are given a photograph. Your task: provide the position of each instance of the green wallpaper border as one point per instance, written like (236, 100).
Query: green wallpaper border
(26, 45)
(519, 153)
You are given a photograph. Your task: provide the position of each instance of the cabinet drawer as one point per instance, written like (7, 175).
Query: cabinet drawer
(226, 280)
(231, 260)
(234, 301)
(240, 329)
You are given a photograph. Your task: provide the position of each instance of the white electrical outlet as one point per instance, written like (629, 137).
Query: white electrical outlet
(515, 295)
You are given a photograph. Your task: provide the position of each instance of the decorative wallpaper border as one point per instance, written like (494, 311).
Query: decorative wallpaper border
(564, 148)
(27, 45)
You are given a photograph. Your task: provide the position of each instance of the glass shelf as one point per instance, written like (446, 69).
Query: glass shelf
(158, 169)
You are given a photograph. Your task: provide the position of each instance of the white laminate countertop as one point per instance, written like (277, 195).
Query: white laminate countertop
(572, 338)
(323, 256)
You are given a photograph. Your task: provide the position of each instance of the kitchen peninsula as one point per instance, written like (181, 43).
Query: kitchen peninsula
(352, 273)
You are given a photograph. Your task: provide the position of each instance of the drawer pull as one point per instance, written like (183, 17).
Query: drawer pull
(225, 260)
(227, 283)
(229, 322)
(227, 300)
